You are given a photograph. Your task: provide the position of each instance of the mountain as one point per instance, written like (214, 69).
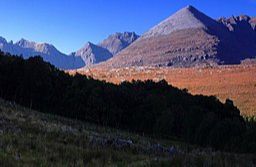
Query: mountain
(244, 30)
(94, 54)
(118, 41)
(86, 56)
(190, 38)
(47, 51)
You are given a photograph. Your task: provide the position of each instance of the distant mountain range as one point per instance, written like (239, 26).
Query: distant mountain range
(86, 56)
(48, 52)
(94, 54)
(190, 38)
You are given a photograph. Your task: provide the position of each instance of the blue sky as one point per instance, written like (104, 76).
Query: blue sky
(69, 24)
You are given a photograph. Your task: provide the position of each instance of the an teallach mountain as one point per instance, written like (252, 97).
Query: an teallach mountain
(191, 38)
(188, 38)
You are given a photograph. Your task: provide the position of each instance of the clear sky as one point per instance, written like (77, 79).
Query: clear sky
(69, 24)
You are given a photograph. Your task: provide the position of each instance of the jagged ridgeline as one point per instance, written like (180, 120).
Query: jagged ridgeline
(86, 56)
(156, 109)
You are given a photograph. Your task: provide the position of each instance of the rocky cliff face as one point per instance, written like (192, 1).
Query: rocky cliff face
(190, 38)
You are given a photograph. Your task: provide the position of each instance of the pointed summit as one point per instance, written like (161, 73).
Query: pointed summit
(191, 8)
(92, 54)
(186, 18)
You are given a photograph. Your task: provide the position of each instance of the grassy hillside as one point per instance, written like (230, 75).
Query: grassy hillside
(144, 107)
(30, 138)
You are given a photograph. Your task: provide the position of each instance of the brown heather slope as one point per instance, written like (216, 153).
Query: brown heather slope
(237, 82)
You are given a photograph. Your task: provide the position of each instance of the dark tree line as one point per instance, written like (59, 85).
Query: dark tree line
(151, 108)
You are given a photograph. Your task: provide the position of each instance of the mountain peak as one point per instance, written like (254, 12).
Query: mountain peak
(89, 44)
(186, 18)
(25, 43)
(189, 38)
(118, 41)
(23, 40)
(190, 7)
(2, 40)
(123, 36)
(45, 48)
(120, 34)
(92, 54)
(38, 47)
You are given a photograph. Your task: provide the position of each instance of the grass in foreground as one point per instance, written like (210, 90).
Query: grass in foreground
(30, 138)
